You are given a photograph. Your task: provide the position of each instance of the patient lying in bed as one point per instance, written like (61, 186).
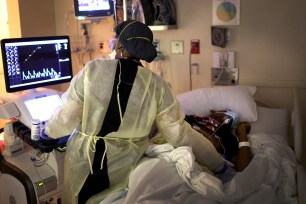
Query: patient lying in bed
(171, 175)
(229, 137)
(219, 128)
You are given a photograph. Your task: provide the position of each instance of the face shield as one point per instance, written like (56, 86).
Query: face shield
(112, 44)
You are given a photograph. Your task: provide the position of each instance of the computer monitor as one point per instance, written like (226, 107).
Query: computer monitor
(93, 8)
(34, 62)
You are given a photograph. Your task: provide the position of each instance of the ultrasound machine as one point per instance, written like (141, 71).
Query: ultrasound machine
(32, 173)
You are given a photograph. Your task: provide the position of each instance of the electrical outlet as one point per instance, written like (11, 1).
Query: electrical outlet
(177, 47)
(224, 76)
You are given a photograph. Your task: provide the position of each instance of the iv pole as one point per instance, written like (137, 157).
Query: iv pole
(190, 71)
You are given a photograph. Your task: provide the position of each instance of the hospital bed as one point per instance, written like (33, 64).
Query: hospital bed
(276, 173)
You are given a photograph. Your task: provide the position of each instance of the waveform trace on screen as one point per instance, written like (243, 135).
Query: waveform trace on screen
(46, 72)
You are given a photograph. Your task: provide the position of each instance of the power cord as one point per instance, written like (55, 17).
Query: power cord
(190, 72)
(223, 63)
(213, 134)
(219, 76)
(39, 158)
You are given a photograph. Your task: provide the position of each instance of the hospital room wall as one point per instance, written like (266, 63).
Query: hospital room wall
(269, 46)
(26, 19)
(19, 18)
(66, 24)
(269, 43)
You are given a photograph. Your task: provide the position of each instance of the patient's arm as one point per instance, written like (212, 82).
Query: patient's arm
(244, 156)
(178, 132)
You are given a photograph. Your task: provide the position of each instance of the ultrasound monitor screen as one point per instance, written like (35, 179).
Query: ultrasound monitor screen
(30, 63)
(42, 108)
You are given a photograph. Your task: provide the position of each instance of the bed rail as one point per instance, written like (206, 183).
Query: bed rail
(299, 147)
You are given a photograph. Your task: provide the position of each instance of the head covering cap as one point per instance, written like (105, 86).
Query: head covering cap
(137, 39)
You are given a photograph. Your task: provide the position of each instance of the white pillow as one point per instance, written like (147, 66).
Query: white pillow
(236, 98)
(271, 120)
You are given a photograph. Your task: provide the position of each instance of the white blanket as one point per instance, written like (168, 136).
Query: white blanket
(172, 176)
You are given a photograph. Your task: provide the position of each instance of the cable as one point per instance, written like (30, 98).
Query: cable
(115, 13)
(190, 72)
(39, 158)
(66, 20)
(218, 138)
(213, 134)
(219, 76)
(223, 64)
(227, 121)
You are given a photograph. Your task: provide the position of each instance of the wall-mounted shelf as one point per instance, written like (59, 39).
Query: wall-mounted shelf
(162, 27)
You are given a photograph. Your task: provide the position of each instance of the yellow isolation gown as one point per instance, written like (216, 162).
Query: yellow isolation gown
(82, 113)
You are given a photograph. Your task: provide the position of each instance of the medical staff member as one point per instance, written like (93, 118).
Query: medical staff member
(110, 108)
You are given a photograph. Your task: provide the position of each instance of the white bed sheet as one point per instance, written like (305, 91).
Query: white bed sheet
(172, 176)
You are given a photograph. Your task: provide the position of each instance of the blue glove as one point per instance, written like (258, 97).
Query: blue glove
(44, 136)
(224, 168)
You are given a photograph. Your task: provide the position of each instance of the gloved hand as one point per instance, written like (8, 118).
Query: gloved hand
(44, 136)
(46, 139)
